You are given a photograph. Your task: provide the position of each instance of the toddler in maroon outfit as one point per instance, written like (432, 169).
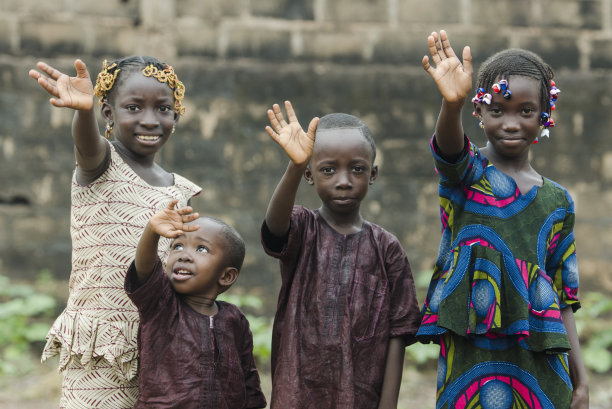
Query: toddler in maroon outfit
(347, 305)
(195, 352)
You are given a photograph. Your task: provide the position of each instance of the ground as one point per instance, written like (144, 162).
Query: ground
(41, 388)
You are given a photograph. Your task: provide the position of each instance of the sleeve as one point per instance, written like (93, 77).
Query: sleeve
(404, 313)
(153, 293)
(562, 265)
(255, 397)
(460, 170)
(288, 247)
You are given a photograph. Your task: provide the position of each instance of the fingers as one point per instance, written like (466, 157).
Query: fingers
(81, 69)
(290, 112)
(49, 70)
(426, 66)
(275, 125)
(432, 43)
(279, 116)
(447, 50)
(467, 60)
(312, 127)
(172, 204)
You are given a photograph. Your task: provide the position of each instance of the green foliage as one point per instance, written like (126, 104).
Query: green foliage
(593, 325)
(261, 326)
(24, 319)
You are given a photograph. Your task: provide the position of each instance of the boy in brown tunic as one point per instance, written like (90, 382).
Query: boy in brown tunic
(347, 306)
(195, 352)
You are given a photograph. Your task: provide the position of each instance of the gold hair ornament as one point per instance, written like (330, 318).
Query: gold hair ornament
(168, 76)
(105, 80)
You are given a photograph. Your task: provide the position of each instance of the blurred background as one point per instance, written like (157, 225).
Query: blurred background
(238, 57)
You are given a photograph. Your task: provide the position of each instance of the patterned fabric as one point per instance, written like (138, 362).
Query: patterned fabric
(506, 267)
(107, 219)
(98, 386)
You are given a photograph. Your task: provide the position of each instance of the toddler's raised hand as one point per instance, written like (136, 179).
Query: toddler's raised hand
(453, 78)
(290, 136)
(68, 92)
(172, 222)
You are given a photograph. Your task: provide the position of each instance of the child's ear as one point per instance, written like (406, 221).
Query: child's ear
(478, 111)
(308, 175)
(373, 173)
(106, 111)
(228, 277)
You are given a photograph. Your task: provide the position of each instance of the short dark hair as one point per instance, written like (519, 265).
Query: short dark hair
(340, 120)
(517, 62)
(235, 244)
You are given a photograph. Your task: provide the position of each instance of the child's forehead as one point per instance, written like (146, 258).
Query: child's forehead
(333, 138)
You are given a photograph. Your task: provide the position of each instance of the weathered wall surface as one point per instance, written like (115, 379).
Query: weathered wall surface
(237, 57)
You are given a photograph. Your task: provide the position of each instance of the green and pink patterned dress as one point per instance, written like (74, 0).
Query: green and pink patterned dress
(506, 267)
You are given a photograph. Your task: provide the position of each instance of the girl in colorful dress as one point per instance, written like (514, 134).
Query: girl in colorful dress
(116, 188)
(502, 298)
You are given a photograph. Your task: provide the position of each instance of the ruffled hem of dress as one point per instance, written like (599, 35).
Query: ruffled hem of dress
(508, 301)
(86, 338)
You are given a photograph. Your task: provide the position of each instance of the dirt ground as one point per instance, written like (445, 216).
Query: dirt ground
(40, 390)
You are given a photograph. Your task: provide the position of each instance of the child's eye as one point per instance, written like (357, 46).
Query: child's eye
(495, 110)
(528, 111)
(327, 170)
(359, 169)
(202, 249)
(165, 108)
(177, 246)
(131, 107)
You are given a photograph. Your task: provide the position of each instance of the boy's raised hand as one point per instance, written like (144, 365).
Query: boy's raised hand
(172, 222)
(290, 136)
(68, 92)
(453, 78)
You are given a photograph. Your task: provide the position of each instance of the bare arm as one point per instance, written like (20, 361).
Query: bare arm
(298, 145)
(76, 93)
(580, 396)
(170, 223)
(393, 374)
(454, 81)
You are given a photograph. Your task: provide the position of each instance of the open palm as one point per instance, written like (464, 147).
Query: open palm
(453, 78)
(172, 222)
(68, 92)
(290, 136)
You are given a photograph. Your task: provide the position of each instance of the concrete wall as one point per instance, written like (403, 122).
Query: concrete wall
(237, 57)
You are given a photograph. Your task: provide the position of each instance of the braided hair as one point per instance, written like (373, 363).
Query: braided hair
(340, 120)
(517, 62)
(114, 73)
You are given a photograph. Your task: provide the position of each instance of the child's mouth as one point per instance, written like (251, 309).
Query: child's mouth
(148, 138)
(181, 274)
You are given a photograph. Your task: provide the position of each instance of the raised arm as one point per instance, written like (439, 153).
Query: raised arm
(298, 145)
(170, 223)
(454, 81)
(77, 93)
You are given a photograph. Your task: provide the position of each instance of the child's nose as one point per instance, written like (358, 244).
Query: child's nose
(343, 180)
(149, 118)
(185, 256)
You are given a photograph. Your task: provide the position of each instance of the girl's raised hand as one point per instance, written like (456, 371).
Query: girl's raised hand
(290, 136)
(453, 78)
(68, 92)
(172, 222)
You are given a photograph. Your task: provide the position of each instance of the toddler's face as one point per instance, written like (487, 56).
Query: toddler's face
(197, 260)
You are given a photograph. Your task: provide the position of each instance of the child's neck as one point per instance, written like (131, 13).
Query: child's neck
(202, 305)
(342, 223)
(144, 166)
(518, 168)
